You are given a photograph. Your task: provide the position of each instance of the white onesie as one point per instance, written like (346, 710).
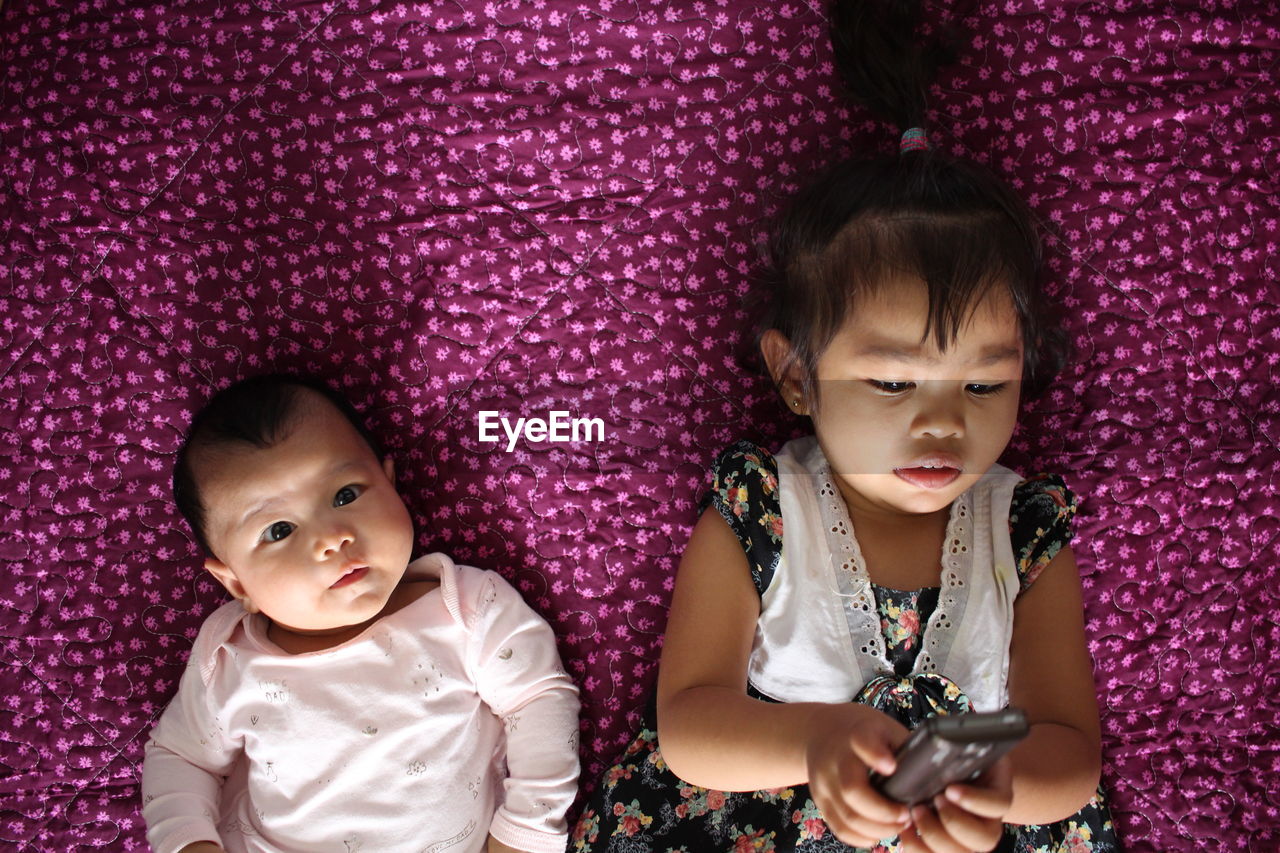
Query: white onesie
(439, 724)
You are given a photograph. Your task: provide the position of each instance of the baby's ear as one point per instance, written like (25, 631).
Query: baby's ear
(389, 468)
(777, 353)
(228, 579)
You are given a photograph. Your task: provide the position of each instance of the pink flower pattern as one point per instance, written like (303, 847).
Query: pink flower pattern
(458, 207)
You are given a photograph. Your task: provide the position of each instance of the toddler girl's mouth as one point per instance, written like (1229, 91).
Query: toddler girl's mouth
(928, 478)
(350, 577)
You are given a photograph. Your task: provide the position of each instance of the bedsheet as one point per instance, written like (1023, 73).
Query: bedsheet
(454, 208)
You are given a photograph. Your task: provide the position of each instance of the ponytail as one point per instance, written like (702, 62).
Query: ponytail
(865, 223)
(885, 59)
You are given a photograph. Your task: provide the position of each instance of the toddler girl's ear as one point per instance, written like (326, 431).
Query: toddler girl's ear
(777, 353)
(228, 579)
(389, 468)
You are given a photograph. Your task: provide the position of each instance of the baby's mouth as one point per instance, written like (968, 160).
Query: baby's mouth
(350, 577)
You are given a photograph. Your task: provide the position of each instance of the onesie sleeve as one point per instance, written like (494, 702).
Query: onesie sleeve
(513, 659)
(183, 767)
(1040, 523)
(744, 490)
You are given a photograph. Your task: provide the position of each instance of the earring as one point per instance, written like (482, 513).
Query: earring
(796, 403)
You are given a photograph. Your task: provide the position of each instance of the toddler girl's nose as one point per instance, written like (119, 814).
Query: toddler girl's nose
(940, 426)
(938, 418)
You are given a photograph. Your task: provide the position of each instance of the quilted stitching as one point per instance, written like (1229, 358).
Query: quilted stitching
(526, 206)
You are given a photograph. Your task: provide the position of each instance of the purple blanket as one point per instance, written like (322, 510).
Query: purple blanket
(526, 207)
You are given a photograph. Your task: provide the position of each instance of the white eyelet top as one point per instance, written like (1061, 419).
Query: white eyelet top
(819, 637)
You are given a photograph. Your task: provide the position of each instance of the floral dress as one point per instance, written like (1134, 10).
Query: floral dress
(640, 806)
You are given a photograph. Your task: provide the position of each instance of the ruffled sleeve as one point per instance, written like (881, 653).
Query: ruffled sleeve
(1040, 523)
(744, 490)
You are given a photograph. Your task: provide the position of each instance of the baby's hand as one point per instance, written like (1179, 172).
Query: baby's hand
(964, 818)
(496, 846)
(844, 742)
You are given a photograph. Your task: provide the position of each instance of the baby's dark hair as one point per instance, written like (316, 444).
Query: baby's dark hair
(257, 412)
(916, 216)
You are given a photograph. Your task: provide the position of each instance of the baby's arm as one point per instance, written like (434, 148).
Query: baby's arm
(1056, 769)
(712, 734)
(182, 773)
(519, 676)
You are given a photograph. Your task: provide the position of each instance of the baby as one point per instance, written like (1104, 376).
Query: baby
(347, 699)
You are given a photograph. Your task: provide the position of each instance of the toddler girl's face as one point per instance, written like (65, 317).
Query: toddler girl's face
(310, 531)
(908, 428)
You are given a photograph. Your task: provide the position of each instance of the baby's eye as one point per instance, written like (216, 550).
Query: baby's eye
(979, 390)
(277, 531)
(345, 495)
(890, 387)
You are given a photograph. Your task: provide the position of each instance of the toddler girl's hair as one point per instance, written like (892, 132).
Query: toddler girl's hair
(915, 216)
(258, 412)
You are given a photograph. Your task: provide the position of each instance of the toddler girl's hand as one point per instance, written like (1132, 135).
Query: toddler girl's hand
(964, 818)
(845, 742)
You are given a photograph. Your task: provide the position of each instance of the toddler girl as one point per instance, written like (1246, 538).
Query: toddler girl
(885, 569)
(347, 699)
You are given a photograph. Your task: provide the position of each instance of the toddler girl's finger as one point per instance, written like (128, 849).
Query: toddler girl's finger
(933, 834)
(968, 830)
(911, 842)
(845, 826)
(990, 795)
(874, 830)
(854, 828)
(851, 838)
(876, 754)
(984, 802)
(849, 825)
(873, 805)
(837, 814)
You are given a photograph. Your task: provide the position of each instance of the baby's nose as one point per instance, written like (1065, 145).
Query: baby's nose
(334, 540)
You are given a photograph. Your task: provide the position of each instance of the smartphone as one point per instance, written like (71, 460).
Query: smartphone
(950, 749)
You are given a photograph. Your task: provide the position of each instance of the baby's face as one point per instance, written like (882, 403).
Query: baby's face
(905, 427)
(311, 532)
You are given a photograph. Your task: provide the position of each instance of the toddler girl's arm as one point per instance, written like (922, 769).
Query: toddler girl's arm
(183, 767)
(1056, 769)
(518, 674)
(712, 734)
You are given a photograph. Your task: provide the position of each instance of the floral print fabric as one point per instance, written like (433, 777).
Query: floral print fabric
(642, 806)
(902, 613)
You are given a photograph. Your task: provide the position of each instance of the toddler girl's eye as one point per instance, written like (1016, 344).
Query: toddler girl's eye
(890, 387)
(345, 496)
(278, 531)
(979, 390)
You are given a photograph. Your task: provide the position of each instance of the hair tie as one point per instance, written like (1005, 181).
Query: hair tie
(915, 139)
